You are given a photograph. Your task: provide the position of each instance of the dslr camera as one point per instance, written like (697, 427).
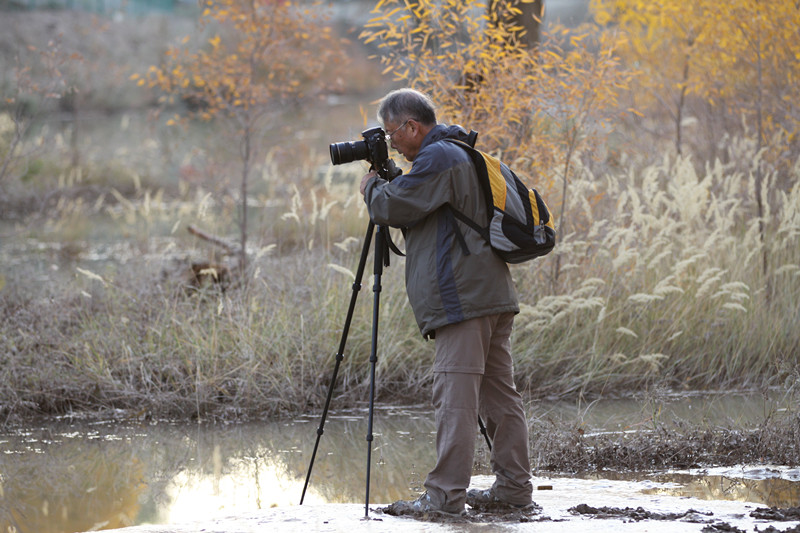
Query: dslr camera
(373, 149)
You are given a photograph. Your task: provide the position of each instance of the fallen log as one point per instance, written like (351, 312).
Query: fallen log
(214, 239)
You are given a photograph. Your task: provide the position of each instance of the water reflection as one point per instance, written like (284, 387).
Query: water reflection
(76, 476)
(61, 482)
(724, 409)
(763, 488)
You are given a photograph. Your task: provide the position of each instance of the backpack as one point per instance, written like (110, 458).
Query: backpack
(520, 225)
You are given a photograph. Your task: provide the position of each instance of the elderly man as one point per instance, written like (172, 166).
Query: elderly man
(464, 298)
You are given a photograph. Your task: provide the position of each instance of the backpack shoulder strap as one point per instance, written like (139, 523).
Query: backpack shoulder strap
(468, 221)
(483, 181)
(483, 173)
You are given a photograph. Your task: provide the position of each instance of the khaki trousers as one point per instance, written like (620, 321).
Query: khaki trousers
(473, 373)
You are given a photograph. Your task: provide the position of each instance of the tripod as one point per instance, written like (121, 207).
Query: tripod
(383, 244)
(381, 254)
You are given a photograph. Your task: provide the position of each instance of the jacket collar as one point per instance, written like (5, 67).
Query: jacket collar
(443, 131)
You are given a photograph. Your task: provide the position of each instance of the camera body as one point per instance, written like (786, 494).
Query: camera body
(373, 149)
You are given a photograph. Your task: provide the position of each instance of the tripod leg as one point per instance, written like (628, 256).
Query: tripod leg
(380, 252)
(340, 354)
(484, 433)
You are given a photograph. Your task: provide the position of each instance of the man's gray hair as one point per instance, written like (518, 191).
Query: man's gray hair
(404, 104)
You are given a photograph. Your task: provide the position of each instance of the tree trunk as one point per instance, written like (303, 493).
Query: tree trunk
(245, 177)
(529, 17)
(762, 229)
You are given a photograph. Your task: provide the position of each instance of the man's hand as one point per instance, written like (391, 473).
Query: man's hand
(371, 174)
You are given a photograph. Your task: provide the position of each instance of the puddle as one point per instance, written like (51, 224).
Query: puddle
(771, 487)
(69, 476)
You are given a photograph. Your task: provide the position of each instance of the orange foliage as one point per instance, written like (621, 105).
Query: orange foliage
(540, 109)
(262, 55)
(741, 57)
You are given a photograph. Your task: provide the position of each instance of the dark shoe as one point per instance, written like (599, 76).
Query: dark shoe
(421, 505)
(487, 499)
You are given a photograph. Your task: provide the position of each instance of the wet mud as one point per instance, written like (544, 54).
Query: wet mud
(639, 514)
(773, 513)
(485, 514)
(499, 514)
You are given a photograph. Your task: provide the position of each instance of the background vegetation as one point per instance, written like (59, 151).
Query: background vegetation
(665, 139)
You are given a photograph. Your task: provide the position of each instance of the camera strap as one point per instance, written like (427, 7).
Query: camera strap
(392, 246)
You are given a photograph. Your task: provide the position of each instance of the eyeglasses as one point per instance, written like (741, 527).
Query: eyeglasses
(389, 135)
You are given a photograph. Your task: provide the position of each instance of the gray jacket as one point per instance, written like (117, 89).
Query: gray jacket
(444, 284)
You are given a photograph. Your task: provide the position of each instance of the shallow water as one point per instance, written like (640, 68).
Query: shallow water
(73, 475)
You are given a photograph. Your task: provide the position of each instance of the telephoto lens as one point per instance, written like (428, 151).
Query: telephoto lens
(347, 152)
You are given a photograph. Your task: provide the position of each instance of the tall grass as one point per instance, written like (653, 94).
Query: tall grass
(664, 284)
(661, 284)
(135, 335)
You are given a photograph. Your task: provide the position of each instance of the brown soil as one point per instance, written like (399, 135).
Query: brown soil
(534, 514)
(668, 446)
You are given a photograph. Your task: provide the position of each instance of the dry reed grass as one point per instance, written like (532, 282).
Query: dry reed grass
(665, 444)
(661, 283)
